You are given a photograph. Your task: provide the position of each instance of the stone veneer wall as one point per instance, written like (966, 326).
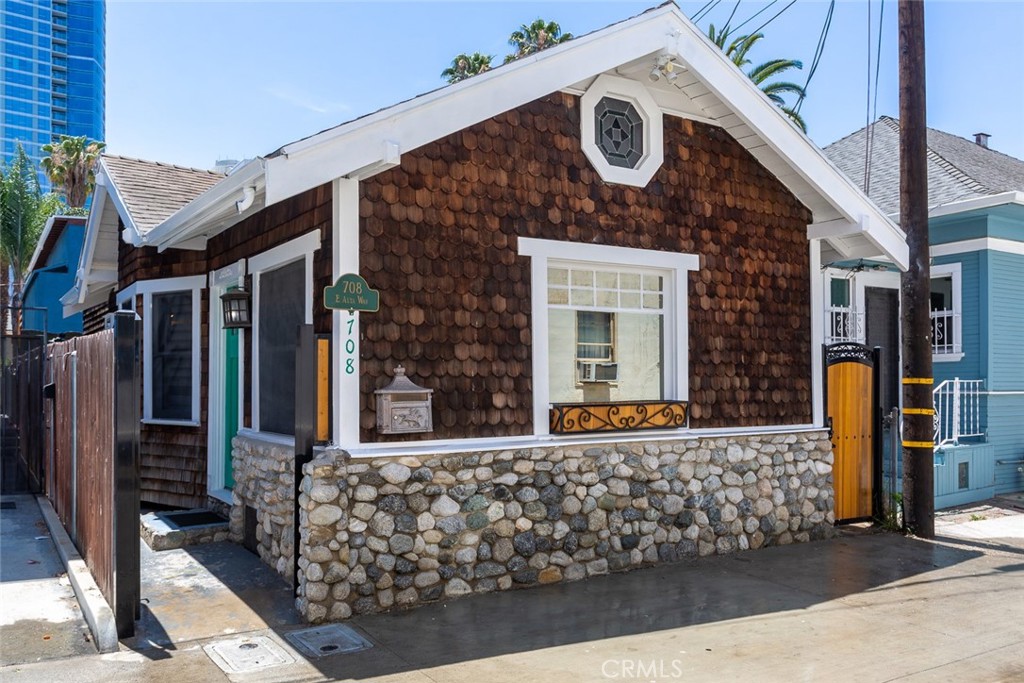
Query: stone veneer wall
(397, 532)
(264, 479)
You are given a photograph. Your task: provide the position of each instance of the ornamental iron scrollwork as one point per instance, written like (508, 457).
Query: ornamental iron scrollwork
(575, 418)
(849, 352)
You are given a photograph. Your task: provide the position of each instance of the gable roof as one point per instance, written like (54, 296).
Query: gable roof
(148, 192)
(51, 234)
(709, 89)
(958, 169)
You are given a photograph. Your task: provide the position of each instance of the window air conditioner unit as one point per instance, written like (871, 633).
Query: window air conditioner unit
(598, 372)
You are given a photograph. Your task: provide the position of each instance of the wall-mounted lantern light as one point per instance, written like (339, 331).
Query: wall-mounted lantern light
(236, 309)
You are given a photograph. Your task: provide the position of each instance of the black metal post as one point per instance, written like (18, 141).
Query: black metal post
(305, 425)
(877, 438)
(127, 575)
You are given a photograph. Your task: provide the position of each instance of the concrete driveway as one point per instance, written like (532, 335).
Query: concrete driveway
(866, 607)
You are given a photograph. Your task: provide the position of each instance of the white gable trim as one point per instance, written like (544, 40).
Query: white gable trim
(362, 147)
(979, 244)
(977, 203)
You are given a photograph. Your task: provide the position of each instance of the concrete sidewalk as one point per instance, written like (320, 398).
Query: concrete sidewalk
(867, 607)
(39, 614)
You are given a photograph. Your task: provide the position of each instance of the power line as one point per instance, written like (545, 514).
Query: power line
(754, 15)
(758, 30)
(867, 114)
(729, 20)
(818, 52)
(874, 105)
(704, 11)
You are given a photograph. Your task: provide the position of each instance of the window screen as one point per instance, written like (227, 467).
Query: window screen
(282, 294)
(172, 356)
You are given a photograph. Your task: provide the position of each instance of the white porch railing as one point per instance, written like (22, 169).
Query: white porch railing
(957, 410)
(945, 332)
(845, 324)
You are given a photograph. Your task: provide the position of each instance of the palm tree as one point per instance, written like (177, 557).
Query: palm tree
(737, 50)
(535, 37)
(24, 210)
(70, 165)
(464, 66)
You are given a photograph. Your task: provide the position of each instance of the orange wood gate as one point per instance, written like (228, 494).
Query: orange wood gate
(851, 391)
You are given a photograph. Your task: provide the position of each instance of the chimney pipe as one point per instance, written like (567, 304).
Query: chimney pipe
(981, 139)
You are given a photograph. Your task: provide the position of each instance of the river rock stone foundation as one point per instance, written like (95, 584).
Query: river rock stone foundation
(386, 533)
(264, 480)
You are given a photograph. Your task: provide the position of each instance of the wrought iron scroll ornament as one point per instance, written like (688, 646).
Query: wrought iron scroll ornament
(848, 352)
(574, 418)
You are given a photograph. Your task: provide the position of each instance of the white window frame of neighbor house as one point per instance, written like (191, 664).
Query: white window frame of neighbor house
(635, 93)
(952, 271)
(675, 342)
(147, 288)
(300, 248)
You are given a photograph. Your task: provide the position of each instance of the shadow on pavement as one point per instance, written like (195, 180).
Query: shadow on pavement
(714, 589)
(206, 591)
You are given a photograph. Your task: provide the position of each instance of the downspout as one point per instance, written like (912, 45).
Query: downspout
(248, 197)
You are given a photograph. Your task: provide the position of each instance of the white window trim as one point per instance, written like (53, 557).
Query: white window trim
(220, 281)
(953, 271)
(654, 144)
(147, 288)
(289, 252)
(677, 334)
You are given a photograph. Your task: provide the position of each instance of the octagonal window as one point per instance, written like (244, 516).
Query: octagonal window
(619, 132)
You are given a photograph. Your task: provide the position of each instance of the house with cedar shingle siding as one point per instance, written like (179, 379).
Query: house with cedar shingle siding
(565, 320)
(976, 235)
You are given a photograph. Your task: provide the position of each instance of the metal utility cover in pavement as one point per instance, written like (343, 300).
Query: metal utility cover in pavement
(239, 655)
(333, 639)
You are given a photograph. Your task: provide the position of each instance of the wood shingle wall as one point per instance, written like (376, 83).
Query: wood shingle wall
(439, 240)
(174, 457)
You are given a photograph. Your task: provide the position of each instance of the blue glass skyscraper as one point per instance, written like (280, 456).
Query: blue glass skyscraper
(54, 54)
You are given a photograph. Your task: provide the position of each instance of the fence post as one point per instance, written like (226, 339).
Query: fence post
(126, 474)
(956, 411)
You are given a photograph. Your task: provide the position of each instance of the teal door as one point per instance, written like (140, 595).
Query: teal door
(230, 401)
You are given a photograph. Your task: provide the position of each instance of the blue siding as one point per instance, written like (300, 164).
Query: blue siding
(1006, 322)
(1006, 228)
(972, 318)
(978, 459)
(44, 289)
(1006, 434)
(957, 228)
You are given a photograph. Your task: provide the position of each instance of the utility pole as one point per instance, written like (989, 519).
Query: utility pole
(915, 285)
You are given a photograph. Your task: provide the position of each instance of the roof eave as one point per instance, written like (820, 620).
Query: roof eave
(215, 205)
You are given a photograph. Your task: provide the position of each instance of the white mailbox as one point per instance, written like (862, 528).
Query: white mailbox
(404, 407)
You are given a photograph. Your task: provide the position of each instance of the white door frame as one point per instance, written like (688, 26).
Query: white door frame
(220, 281)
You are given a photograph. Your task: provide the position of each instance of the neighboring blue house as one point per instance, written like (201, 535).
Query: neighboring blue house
(976, 230)
(51, 273)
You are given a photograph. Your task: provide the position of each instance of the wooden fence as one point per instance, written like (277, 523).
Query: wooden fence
(93, 478)
(22, 441)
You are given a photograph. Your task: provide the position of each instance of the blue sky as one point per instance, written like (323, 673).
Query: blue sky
(191, 82)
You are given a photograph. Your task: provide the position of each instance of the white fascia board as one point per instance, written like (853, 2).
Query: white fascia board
(977, 203)
(92, 231)
(720, 76)
(131, 234)
(39, 244)
(339, 152)
(194, 218)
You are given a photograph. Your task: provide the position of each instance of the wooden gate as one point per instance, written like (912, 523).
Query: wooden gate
(851, 391)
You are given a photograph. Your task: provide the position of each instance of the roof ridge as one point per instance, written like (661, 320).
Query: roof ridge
(164, 164)
(961, 176)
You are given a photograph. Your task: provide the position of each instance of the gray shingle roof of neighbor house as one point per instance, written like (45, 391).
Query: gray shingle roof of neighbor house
(958, 168)
(151, 191)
